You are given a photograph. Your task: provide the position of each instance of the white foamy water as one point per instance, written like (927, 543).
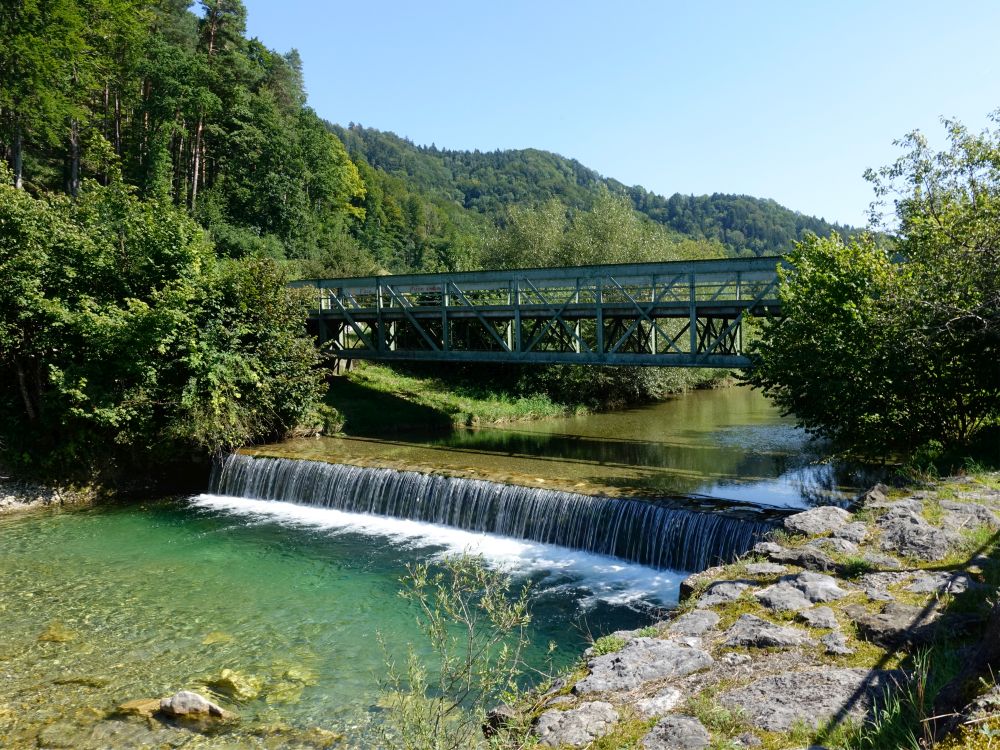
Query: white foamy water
(600, 577)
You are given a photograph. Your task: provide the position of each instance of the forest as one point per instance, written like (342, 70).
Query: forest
(184, 106)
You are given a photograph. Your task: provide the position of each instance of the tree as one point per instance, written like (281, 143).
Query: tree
(891, 345)
(130, 345)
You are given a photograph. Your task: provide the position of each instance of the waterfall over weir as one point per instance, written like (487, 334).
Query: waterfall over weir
(679, 535)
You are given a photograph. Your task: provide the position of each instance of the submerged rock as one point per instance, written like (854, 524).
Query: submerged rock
(818, 520)
(810, 697)
(56, 632)
(144, 708)
(641, 660)
(216, 637)
(188, 703)
(577, 726)
(236, 685)
(677, 732)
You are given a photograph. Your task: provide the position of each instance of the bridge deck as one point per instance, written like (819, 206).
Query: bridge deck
(679, 313)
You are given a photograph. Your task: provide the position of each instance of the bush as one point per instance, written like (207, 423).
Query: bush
(125, 343)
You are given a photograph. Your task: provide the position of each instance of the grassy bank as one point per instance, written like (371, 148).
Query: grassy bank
(377, 398)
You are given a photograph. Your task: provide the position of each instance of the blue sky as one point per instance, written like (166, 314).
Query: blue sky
(784, 100)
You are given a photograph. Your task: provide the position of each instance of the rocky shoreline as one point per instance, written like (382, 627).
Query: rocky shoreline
(18, 495)
(818, 638)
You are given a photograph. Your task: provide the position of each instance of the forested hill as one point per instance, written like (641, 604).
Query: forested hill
(490, 183)
(174, 101)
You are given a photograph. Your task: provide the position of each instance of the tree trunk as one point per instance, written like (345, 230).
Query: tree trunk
(22, 382)
(118, 124)
(196, 156)
(73, 176)
(18, 154)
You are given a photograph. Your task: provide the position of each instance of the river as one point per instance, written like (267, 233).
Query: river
(115, 603)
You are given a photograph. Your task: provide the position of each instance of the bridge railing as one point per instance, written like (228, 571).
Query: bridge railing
(685, 313)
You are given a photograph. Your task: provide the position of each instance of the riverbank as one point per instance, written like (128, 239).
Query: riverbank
(840, 632)
(19, 495)
(377, 398)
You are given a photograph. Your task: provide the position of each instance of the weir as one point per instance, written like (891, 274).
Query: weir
(687, 535)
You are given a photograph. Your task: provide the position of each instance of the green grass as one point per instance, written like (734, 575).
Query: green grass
(376, 399)
(608, 644)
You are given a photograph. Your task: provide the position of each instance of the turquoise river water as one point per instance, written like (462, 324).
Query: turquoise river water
(101, 606)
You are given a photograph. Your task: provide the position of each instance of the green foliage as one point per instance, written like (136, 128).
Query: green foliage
(607, 644)
(476, 626)
(127, 343)
(491, 183)
(887, 349)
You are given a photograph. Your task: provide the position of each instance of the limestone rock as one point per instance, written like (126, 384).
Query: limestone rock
(836, 544)
(577, 726)
(909, 534)
(697, 622)
(819, 617)
(875, 496)
(817, 520)
(960, 516)
(641, 660)
(722, 592)
(691, 583)
(766, 569)
(677, 732)
(187, 703)
(942, 582)
(836, 643)
(897, 625)
(237, 686)
(813, 697)
(855, 532)
(753, 631)
(793, 593)
(660, 703)
(804, 557)
(733, 659)
(881, 561)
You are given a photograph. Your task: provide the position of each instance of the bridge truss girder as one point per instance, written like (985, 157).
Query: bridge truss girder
(682, 314)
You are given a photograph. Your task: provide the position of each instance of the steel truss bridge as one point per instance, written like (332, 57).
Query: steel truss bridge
(678, 313)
